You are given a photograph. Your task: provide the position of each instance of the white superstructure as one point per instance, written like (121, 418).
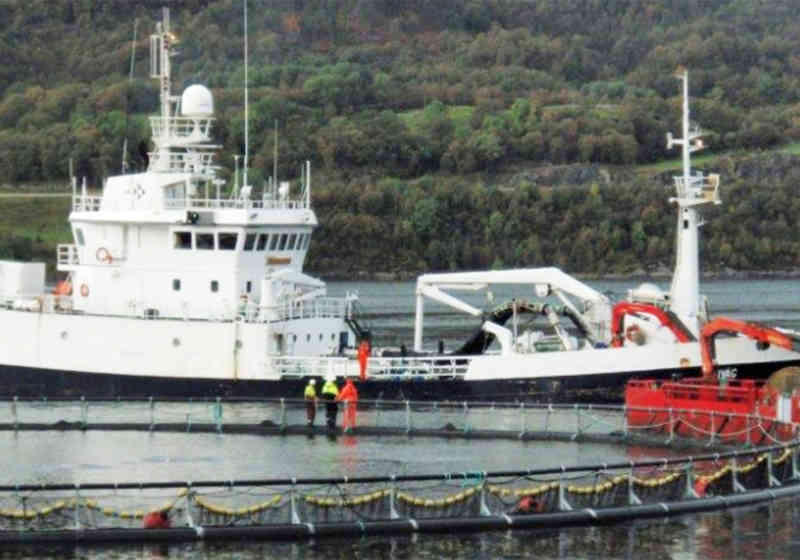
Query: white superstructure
(168, 276)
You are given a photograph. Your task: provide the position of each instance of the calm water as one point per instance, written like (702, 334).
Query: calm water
(771, 531)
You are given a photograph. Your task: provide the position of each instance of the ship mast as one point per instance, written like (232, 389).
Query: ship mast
(692, 192)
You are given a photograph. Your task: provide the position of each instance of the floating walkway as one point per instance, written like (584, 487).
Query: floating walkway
(726, 473)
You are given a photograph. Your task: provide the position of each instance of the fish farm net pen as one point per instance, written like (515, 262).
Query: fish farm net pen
(300, 508)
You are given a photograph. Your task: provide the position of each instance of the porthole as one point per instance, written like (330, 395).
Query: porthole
(176, 342)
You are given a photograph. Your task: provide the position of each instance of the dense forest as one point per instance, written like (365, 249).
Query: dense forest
(444, 134)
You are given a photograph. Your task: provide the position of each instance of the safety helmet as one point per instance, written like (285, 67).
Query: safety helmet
(312, 382)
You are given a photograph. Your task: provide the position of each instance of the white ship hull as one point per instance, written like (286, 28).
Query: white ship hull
(55, 355)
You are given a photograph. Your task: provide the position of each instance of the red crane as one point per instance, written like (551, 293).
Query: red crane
(666, 318)
(763, 335)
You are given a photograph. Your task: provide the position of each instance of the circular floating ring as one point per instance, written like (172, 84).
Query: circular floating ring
(104, 255)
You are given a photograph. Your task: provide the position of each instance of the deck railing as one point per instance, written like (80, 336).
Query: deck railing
(67, 254)
(391, 368)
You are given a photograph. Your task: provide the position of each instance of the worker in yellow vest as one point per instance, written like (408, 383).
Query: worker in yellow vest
(329, 393)
(310, 395)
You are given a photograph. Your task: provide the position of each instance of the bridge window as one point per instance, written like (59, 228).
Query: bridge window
(176, 284)
(79, 237)
(182, 240)
(226, 241)
(249, 286)
(262, 241)
(250, 241)
(273, 244)
(308, 239)
(292, 239)
(282, 245)
(214, 286)
(204, 241)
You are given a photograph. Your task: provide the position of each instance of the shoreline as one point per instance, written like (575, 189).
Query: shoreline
(640, 276)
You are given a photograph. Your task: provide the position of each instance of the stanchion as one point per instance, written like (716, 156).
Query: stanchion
(633, 499)
(689, 491)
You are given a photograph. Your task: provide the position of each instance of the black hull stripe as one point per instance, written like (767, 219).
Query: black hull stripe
(606, 387)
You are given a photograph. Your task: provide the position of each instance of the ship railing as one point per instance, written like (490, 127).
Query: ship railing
(320, 307)
(233, 203)
(37, 303)
(377, 367)
(181, 129)
(195, 162)
(702, 188)
(81, 203)
(67, 254)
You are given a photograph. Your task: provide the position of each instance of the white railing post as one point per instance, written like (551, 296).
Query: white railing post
(563, 504)
(689, 491)
(393, 500)
(737, 486)
(772, 480)
(633, 499)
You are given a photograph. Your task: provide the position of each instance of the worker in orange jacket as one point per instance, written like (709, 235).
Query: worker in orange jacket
(349, 395)
(363, 355)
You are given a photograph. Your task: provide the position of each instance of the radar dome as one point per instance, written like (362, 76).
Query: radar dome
(197, 101)
(648, 291)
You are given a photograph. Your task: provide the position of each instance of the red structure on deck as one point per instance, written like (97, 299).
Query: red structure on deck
(738, 411)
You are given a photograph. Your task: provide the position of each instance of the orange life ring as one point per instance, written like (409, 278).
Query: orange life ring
(104, 255)
(84, 290)
(632, 332)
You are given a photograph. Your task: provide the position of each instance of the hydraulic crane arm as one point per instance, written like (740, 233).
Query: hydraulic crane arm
(666, 318)
(763, 335)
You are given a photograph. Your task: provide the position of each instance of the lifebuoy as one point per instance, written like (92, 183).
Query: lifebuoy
(104, 255)
(634, 334)
(84, 290)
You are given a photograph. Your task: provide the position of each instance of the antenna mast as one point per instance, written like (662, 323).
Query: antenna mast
(127, 108)
(692, 192)
(275, 156)
(246, 103)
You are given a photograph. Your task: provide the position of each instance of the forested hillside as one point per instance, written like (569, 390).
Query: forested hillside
(444, 134)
